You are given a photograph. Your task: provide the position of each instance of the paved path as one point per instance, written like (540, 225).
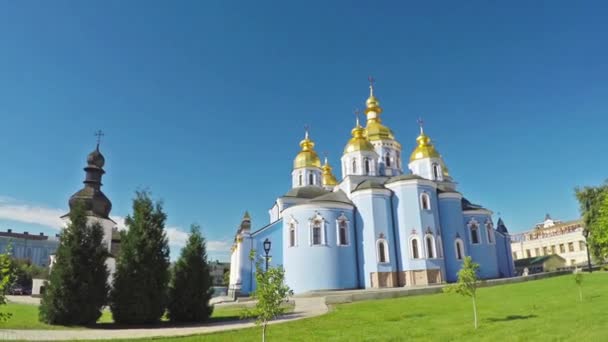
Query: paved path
(304, 307)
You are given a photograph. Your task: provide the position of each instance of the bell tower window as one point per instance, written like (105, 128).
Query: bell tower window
(300, 179)
(311, 179)
(387, 160)
(354, 165)
(367, 168)
(435, 171)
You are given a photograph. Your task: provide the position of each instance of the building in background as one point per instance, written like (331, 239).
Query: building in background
(37, 249)
(552, 237)
(217, 270)
(546, 263)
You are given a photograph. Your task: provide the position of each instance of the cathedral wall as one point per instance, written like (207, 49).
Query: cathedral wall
(274, 233)
(483, 253)
(506, 268)
(323, 266)
(374, 226)
(452, 228)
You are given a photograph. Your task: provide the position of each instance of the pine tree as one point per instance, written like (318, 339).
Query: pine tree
(191, 289)
(78, 286)
(142, 270)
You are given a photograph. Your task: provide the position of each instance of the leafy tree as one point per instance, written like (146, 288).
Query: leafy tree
(594, 209)
(24, 271)
(467, 283)
(191, 289)
(139, 294)
(5, 281)
(226, 279)
(78, 286)
(271, 292)
(578, 279)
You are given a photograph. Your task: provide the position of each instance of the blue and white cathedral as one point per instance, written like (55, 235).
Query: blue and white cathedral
(380, 226)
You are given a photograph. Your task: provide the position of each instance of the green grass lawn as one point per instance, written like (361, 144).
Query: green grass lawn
(542, 310)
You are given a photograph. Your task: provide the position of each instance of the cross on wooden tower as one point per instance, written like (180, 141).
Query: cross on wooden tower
(99, 134)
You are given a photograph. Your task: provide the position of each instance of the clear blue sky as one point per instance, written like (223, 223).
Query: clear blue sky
(203, 102)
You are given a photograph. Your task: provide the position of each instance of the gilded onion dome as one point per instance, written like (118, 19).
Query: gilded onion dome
(328, 178)
(307, 156)
(425, 148)
(374, 129)
(358, 142)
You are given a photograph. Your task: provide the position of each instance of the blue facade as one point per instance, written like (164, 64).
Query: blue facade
(35, 248)
(378, 227)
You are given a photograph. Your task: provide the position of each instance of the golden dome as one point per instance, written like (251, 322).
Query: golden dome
(307, 156)
(328, 178)
(425, 148)
(374, 129)
(358, 142)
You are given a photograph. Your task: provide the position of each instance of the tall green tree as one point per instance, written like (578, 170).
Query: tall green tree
(5, 281)
(467, 283)
(191, 287)
(271, 293)
(594, 209)
(139, 294)
(78, 285)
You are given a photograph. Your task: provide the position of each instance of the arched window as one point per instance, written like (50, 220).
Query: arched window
(490, 232)
(367, 168)
(439, 247)
(382, 248)
(292, 234)
(300, 179)
(311, 179)
(342, 232)
(430, 246)
(459, 249)
(317, 231)
(387, 160)
(425, 201)
(435, 171)
(474, 228)
(415, 249)
(354, 165)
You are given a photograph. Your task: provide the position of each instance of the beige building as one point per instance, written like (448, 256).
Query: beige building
(552, 237)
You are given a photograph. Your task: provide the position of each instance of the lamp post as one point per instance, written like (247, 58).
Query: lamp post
(267, 245)
(586, 235)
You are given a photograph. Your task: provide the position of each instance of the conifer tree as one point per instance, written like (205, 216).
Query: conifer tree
(191, 290)
(142, 270)
(78, 286)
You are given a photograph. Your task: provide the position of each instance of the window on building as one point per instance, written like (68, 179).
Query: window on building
(415, 249)
(435, 171)
(562, 248)
(536, 251)
(490, 232)
(528, 254)
(318, 235)
(474, 233)
(425, 201)
(545, 251)
(570, 246)
(342, 233)
(552, 249)
(354, 165)
(382, 247)
(581, 245)
(311, 179)
(292, 234)
(387, 160)
(430, 248)
(572, 262)
(439, 247)
(300, 179)
(367, 167)
(459, 249)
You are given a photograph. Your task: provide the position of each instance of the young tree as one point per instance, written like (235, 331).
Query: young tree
(467, 283)
(271, 292)
(191, 289)
(594, 209)
(139, 294)
(78, 286)
(578, 279)
(5, 281)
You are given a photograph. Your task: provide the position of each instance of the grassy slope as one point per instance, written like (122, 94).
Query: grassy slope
(541, 310)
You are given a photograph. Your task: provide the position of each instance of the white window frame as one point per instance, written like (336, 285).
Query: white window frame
(433, 248)
(474, 223)
(439, 247)
(490, 232)
(342, 219)
(311, 226)
(462, 251)
(292, 225)
(436, 171)
(300, 179)
(412, 238)
(387, 160)
(311, 178)
(386, 252)
(354, 165)
(367, 166)
(424, 195)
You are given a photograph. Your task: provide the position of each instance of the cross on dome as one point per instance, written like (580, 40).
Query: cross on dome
(421, 124)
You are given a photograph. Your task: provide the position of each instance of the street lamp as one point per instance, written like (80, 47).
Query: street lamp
(586, 235)
(266, 250)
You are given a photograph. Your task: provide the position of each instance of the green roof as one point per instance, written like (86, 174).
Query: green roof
(403, 177)
(306, 192)
(368, 184)
(535, 260)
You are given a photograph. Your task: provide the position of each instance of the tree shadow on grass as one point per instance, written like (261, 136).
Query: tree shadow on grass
(510, 318)
(224, 320)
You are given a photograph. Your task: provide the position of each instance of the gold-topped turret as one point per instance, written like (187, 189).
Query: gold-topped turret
(327, 178)
(425, 148)
(358, 142)
(374, 129)
(307, 156)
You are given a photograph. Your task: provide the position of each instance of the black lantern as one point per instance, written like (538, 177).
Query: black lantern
(267, 245)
